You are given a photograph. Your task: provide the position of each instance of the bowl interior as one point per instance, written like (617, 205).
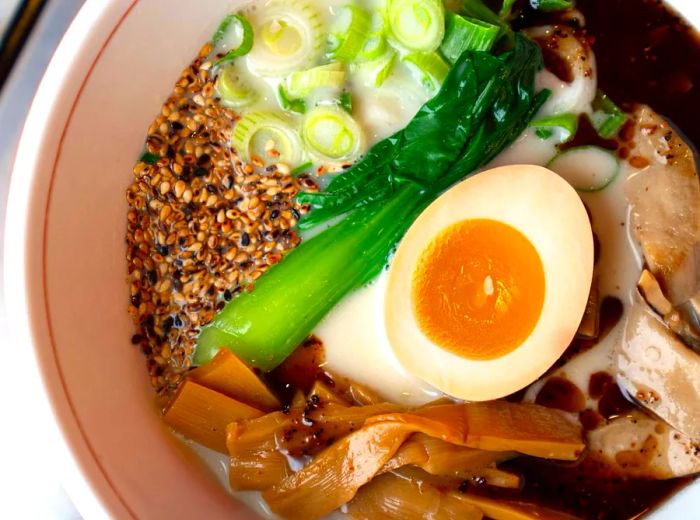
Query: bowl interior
(104, 87)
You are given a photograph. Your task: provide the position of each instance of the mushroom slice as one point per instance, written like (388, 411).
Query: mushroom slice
(640, 446)
(659, 371)
(664, 195)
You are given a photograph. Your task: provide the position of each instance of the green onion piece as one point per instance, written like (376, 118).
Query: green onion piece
(234, 92)
(377, 71)
(348, 32)
(417, 25)
(478, 10)
(289, 37)
(428, 68)
(607, 118)
(464, 34)
(567, 122)
(149, 158)
(551, 5)
(289, 104)
(346, 102)
(246, 40)
(505, 9)
(586, 168)
(222, 29)
(543, 133)
(330, 133)
(375, 45)
(302, 83)
(302, 168)
(255, 132)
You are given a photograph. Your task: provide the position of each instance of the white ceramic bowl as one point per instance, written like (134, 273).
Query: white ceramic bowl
(65, 268)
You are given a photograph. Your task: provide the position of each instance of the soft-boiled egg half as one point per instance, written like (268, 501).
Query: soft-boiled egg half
(489, 285)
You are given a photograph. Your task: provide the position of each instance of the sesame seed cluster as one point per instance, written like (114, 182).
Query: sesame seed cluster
(202, 226)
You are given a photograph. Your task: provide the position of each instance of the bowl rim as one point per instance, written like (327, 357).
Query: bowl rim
(86, 481)
(81, 469)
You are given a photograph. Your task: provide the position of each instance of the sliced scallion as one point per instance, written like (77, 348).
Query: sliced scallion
(466, 34)
(375, 72)
(254, 133)
(586, 168)
(330, 133)
(505, 9)
(349, 30)
(567, 122)
(301, 83)
(345, 102)
(428, 68)
(289, 37)
(607, 117)
(551, 5)
(234, 92)
(289, 104)
(375, 44)
(246, 43)
(417, 25)
(302, 168)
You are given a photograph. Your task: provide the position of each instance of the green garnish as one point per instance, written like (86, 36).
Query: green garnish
(331, 134)
(346, 102)
(607, 117)
(464, 34)
(568, 122)
(301, 83)
(246, 39)
(149, 158)
(428, 68)
(507, 6)
(551, 5)
(426, 149)
(290, 104)
(416, 25)
(349, 32)
(543, 133)
(302, 168)
(483, 105)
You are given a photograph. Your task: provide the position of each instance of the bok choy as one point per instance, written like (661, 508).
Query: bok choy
(485, 102)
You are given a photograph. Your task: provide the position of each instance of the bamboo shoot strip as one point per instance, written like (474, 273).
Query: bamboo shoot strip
(201, 414)
(227, 374)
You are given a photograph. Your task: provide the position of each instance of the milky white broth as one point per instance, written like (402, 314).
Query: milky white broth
(353, 333)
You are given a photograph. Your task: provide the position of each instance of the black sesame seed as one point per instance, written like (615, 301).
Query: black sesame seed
(211, 188)
(245, 240)
(168, 324)
(136, 339)
(227, 295)
(200, 172)
(176, 125)
(204, 159)
(152, 277)
(162, 249)
(296, 214)
(177, 322)
(274, 213)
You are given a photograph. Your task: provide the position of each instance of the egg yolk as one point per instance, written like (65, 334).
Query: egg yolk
(478, 289)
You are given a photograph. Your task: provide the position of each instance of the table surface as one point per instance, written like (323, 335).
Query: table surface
(30, 479)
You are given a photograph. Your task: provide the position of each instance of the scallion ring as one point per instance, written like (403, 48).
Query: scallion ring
(331, 134)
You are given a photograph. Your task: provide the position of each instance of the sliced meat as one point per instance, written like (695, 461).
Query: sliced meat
(664, 195)
(640, 446)
(658, 370)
